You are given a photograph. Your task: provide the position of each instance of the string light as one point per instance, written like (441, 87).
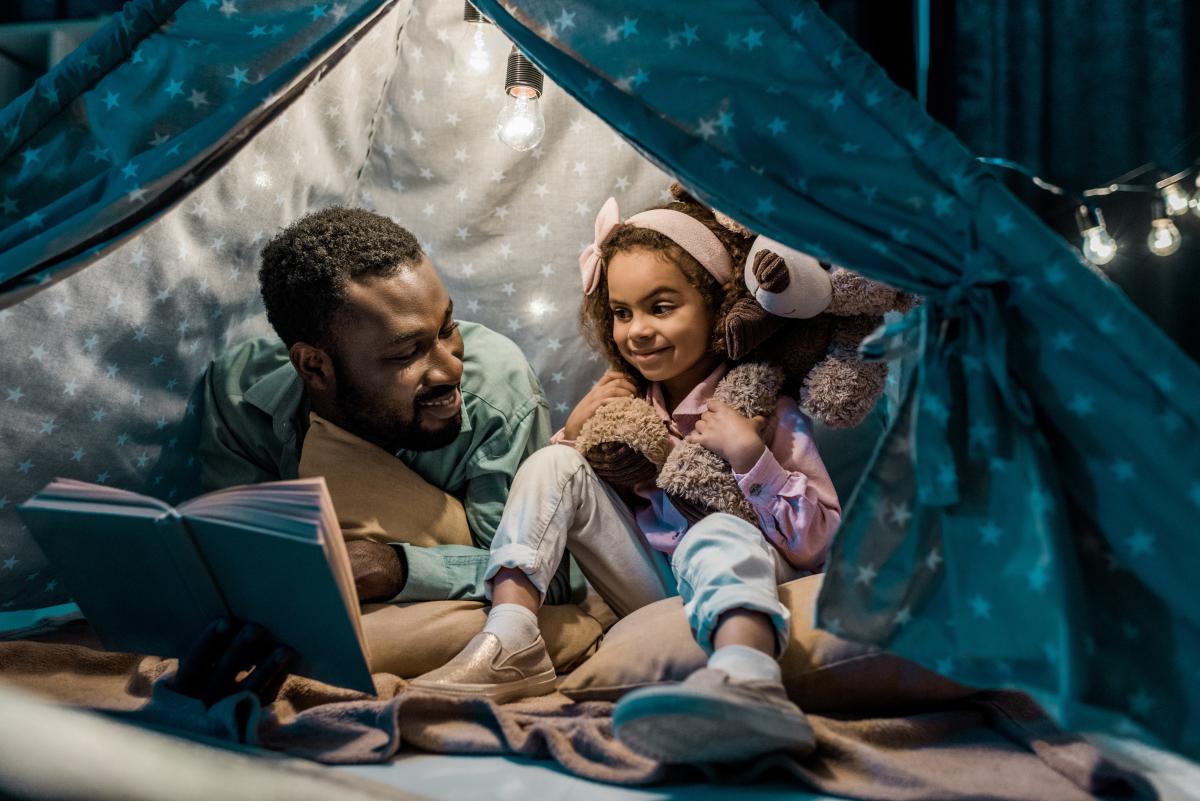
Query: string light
(1098, 245)
(479, 60)
(1169, 199)
(1175, 199)
(520, 124)
(1164, 237)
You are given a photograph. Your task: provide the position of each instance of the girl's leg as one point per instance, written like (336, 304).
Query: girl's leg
(556, 503)
(736, 708)
(726, 572)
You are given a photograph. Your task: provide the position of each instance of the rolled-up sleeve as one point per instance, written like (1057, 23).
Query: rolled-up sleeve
(791, 492)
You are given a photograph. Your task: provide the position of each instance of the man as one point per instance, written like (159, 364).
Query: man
(370, 343)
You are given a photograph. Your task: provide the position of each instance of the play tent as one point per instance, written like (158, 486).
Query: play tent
(1028, 505)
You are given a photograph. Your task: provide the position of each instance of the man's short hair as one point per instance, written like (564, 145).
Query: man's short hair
(306, 267)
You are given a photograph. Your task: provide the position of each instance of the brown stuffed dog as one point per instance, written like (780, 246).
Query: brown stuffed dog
(794, 325)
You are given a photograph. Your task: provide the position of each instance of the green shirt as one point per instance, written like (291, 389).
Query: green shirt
(256, 414)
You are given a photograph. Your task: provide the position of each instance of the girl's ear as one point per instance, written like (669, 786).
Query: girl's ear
(314, 366)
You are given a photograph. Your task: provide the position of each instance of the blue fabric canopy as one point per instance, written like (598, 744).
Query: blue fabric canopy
(150, 105)
(1028, 519)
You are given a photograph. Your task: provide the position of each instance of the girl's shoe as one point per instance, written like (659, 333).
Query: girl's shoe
(484, 669)
(711, 718)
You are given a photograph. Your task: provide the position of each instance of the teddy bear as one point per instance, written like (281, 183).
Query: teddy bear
(794, 326)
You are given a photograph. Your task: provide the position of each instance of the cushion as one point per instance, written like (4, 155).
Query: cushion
(411, 639)
(821, 672)
(376, 495)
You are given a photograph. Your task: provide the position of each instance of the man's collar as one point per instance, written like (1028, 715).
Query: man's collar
(278, 393)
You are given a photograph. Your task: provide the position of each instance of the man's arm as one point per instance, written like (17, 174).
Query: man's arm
(456, 571)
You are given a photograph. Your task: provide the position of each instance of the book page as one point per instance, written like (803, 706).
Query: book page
(277, 564)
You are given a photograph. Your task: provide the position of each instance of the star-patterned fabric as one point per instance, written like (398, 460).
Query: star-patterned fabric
(1029, 516)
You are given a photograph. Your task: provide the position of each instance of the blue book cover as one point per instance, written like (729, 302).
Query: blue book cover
(149, 577)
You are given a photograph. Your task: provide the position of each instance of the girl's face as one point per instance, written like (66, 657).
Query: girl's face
(661, 324)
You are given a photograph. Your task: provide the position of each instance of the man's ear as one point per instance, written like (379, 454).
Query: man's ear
(314, 366)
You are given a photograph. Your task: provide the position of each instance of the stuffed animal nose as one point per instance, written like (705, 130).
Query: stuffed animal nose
(771, 271)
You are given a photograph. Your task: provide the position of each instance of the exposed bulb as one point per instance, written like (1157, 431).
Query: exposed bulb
(520, 124)
(1175, 199)
(1194, 203)
(1164, 237)
(479, 60)
(1098, 246)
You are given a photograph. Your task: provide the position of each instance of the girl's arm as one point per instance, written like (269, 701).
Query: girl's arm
(791, 492)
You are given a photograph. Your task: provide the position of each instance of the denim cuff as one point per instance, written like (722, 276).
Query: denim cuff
(521, 557)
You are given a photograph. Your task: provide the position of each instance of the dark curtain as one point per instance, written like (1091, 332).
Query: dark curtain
(1082, 91)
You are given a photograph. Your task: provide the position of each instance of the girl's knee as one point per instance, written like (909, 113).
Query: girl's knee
(555, 457)
(722, 546)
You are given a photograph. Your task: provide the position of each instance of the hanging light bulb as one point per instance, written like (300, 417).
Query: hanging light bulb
(1195, 201)
(520, 124)
(1098, 246)
(1175, 199)
(479, 59)
(1164, 237)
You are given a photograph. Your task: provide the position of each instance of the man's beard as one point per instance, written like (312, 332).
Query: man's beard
(388, 426)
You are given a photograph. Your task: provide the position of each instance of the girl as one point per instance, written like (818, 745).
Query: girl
(654, 286)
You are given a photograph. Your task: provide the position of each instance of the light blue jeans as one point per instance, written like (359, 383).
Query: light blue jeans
(557, 504)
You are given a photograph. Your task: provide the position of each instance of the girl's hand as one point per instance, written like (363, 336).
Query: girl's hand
(612, 385)
(734, 438)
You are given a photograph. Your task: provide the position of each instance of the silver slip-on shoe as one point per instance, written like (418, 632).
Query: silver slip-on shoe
(483, 669)
(711, 718)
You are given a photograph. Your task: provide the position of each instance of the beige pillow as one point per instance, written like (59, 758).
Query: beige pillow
(377, 496)
(822, 672)
(411, 639)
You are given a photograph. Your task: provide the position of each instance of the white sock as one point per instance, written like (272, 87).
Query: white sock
(515, 625)
(743, 663)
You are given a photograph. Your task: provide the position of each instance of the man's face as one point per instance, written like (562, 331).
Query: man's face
(398, 361)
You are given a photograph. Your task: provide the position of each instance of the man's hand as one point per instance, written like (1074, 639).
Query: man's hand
(226, 649)
(726, 433)
(378, 571)
(612, 385)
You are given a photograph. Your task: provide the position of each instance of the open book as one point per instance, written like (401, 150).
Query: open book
(150, 577)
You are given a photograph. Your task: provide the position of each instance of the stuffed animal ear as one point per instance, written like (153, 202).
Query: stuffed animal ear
(732, 224)
(785, 281)
(683, 196)
(854, 294)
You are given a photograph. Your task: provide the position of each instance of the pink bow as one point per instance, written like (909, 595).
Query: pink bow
(589, 259)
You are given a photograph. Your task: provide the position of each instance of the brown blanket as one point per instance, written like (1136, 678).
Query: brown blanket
(994, 746)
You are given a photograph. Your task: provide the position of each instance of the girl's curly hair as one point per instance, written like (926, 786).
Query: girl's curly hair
(595, 316)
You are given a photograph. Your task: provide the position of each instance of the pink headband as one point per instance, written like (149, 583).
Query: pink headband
(687, 232)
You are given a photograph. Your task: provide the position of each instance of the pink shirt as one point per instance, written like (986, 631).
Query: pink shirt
(788, 488)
